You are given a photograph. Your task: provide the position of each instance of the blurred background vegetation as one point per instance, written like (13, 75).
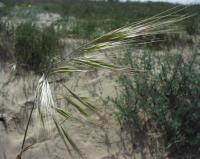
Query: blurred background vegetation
(81, 19)
(94, 17)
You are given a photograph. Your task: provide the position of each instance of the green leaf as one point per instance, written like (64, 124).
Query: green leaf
(62, 136)
(81, 100)
(96, 62)
(41, 116)
(88, 104)
(76, 105)
(74, 146)
(65, 114)
(67, 69)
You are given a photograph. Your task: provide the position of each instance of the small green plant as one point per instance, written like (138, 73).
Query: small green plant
(35, 48)
(168, 96)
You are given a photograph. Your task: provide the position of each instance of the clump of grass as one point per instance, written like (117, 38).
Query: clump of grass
(6, 43)
(35, 48)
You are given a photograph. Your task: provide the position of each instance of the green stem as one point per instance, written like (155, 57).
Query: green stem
(27, 126)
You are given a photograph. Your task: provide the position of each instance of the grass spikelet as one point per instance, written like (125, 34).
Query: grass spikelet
(44, 102)
(138, 32)
(141, 32)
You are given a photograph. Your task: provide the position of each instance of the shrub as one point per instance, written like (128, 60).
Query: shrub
(6, 43)
(35, 48)
(193, 28)
(169, 96)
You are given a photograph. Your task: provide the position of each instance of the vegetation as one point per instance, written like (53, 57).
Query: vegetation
(167, 95)
(95, 18)
(171, 83)
(34, 48)
(6, 43)
(83, 19)
(79, 60)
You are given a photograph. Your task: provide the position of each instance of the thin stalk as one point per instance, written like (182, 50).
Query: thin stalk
(26, 130)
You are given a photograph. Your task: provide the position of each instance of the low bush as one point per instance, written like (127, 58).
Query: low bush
(35, 48)
(6, 43)
(168, 96)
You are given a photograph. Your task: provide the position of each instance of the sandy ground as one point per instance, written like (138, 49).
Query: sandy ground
(95, 142)
(16, 96)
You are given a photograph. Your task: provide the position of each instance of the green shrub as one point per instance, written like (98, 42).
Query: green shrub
(168, 94)
(193, 26)
(6, 43)
(34, 48)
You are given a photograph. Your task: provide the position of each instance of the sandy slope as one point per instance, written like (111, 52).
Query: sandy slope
(96, 142)
(15, 102)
